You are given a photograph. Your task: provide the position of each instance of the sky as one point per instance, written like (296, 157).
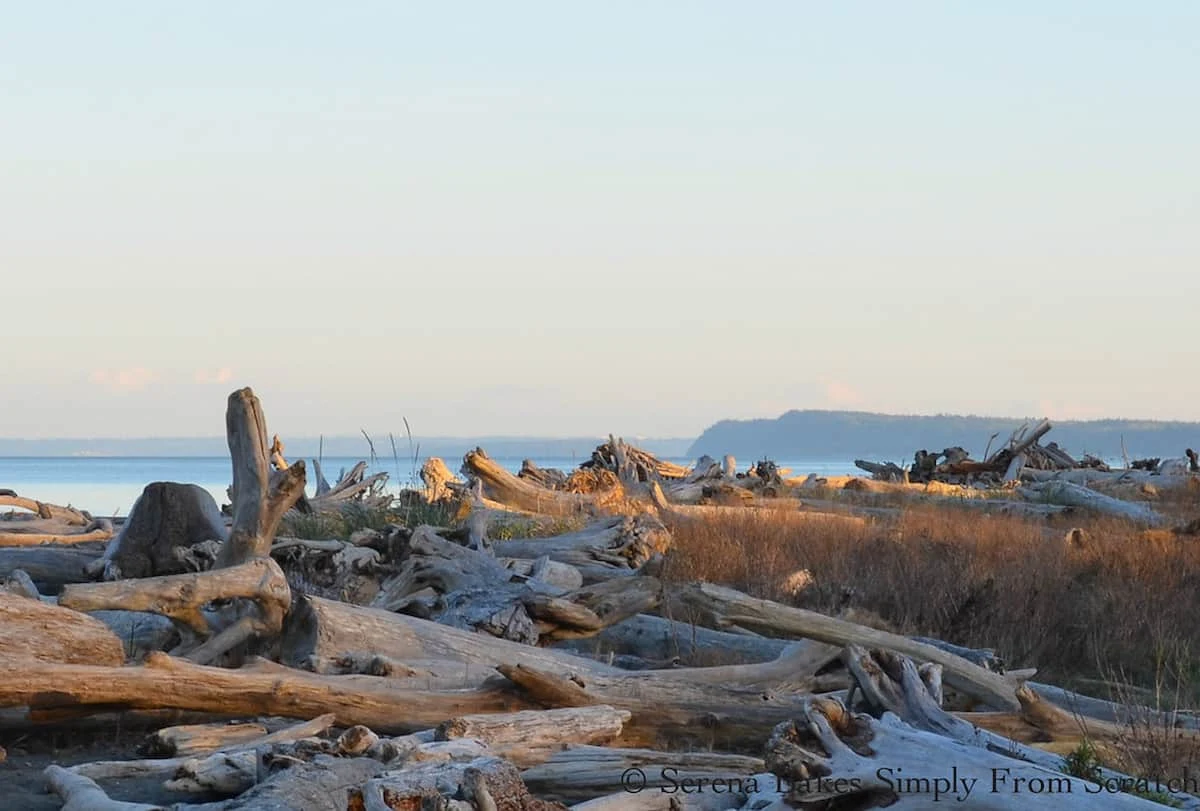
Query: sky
(546, 218)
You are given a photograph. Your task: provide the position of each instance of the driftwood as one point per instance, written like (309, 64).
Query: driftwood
(830, 752)
(1074, 495)
(166, 519)
(35, 631)
(438, 479)
(45, 510)
(250, 691)
(504, 487)
(724, 607)
(51, 567)
(93, 532)
(486, 783)
(671, 511)
(156, 766)
(353, 488)
(260, 497)
(583, 772)
(892, 683)
(181, 597)
(603, 549)
(532, 737)
(632, 465)
(550, 478)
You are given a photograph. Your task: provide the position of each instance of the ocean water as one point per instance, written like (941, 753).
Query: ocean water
(110, 485)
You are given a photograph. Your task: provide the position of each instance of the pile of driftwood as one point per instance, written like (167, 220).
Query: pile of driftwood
(1022, 458)
(438, 667)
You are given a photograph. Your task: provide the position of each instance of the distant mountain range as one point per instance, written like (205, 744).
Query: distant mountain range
(450, 448)
(814, 434)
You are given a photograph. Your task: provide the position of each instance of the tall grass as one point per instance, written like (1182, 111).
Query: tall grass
(1112, 599)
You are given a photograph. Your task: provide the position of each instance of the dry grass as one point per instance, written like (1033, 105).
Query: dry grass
(1113, 599)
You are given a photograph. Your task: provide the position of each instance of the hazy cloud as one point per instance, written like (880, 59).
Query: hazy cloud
(839, 394)
(134, 378)
(214, 376)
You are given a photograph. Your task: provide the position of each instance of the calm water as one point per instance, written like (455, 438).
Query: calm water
(109, 485)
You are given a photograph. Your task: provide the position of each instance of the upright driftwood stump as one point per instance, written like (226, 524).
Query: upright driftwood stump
(167, 518)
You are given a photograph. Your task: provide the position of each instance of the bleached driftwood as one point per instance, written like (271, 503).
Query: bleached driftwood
(581, 772)
(830, 752)
(533, 736)
(260, 497)
(719, 607)
(45, 510)
(1074, 495)
(512, 491)
(605, 548)
(151, 767)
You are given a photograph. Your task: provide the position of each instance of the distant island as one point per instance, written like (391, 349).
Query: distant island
(450, 448)
(820, 434)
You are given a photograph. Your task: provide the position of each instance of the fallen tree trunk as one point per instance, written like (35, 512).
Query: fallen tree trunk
(706, 511)
(9, 539)
(51, 567)
(724, 607)
(36, 631)
(583, 772)
(150, 767)
(165, 682)
(43, 509)
(533, 736)
(1074, 495)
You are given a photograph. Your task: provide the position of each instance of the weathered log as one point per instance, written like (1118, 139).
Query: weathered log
(42, 509)
(199, 739)
(718, 606)
(583, 772)
(589, 610)
(181, 597)
(662, 642)
(51, 567)
(166, 682)
(80, 793)
(324, 784)
(1074, 495)
(671, 511)
(509, 490)
(260, 498)
(545, 570)
(487, 783)
(610, 546)
(21, 539)
(531, 737)
(37, 631)
(550, 478)
(156, 766)
(166, 518)
(883, 471)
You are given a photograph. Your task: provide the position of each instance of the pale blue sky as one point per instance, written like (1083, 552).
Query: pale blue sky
(559, 218)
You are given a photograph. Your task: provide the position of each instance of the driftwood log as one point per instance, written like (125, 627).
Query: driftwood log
(502, 486)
